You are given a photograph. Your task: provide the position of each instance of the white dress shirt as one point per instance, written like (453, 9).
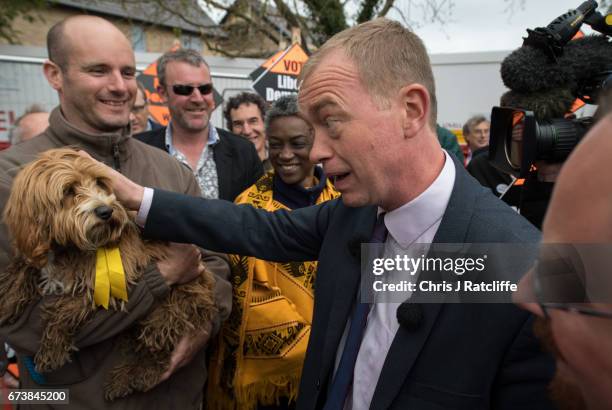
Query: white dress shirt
(414, 222)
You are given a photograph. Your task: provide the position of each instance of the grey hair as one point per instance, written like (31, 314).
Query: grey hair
(472, 122)
(185, 55)
(285, 106)
(15, 131)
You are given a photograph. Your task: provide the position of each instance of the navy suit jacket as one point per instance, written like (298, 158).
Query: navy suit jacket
(238, 166)
(462, 356)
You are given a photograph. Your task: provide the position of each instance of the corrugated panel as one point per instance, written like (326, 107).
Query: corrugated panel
(21, 85)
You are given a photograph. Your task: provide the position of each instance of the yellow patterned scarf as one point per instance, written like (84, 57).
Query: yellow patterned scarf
(260, 350)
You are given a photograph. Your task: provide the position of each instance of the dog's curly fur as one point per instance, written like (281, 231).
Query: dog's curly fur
(51, 216)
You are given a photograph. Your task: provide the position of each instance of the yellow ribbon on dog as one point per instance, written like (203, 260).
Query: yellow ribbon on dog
(110, 277)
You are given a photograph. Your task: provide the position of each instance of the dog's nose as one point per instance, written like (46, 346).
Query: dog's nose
(103, 212)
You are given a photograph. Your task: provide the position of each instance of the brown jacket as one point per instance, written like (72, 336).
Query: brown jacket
(98, 350)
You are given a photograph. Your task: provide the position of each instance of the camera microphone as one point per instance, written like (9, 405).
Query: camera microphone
(530, 70)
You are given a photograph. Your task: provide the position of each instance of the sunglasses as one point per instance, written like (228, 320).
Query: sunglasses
(184, 89)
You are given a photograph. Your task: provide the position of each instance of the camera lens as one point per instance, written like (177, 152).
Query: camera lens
(557, 138)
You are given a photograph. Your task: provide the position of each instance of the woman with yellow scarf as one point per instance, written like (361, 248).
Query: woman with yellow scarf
(260, 352)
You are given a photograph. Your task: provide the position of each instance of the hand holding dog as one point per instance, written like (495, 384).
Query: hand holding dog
(186, 350)
(181, 265)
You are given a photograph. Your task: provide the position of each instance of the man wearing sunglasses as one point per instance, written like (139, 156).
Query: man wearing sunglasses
(223, 163)
(571, 287)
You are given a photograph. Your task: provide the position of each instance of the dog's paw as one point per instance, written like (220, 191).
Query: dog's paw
(120, 383)
(114, 390)
(49, 360)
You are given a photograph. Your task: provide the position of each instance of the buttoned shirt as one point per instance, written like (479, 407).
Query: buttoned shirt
(415, 222)
(206, 169)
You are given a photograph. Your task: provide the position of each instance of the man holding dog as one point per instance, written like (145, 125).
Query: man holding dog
(91, 65)
(369, 94)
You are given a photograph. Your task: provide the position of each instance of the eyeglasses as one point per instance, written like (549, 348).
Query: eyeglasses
(563, 289)
(569, 307)
(184, 89)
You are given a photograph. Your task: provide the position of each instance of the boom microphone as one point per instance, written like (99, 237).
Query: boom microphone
(553, 103)
(529, 69)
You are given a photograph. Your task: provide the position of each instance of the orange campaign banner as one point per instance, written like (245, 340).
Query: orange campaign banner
(157, 107)
(278, 75)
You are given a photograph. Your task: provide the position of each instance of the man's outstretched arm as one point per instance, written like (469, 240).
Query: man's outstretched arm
(225, 227)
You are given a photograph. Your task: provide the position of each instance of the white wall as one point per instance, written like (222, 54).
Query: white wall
(467, 84)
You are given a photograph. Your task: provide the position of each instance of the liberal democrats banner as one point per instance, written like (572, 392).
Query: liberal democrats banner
(278, 75)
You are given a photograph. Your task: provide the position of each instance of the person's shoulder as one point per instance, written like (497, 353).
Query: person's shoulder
(495, 221)
(155, 160)
(264, 185)
(16, 156)
(156, 168)
(154, 137)
(234, 140)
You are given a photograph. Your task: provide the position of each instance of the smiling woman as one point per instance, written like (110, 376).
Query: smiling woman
(262, 346)
(289, 144)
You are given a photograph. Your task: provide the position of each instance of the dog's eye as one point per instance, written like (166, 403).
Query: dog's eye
(101, 183)
(69, 191)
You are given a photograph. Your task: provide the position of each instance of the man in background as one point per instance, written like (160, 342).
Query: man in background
(476, 134)
(223, 163)
(30, 124)
(244, 114)
(139, 117)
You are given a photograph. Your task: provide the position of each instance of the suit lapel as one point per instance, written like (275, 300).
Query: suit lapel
(344, 281)
(407, 344)
(223, 161)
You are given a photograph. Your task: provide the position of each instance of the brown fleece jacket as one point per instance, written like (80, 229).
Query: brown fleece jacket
(98, 351)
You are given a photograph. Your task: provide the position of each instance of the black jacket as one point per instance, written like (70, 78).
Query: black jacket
(486, 174)
(462, 356)
(238, 166)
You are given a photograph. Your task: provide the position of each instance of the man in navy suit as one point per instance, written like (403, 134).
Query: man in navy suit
(369, 95)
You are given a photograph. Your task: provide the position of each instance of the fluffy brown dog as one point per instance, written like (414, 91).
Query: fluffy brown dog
(60, 211)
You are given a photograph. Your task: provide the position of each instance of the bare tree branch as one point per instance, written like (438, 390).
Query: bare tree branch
(385, 8)
(247, 22)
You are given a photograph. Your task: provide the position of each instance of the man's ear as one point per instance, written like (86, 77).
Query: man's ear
(54, 74)
(416, 106)
(162, 92)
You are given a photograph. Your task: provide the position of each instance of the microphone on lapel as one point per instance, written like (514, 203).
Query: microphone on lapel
(410, 316)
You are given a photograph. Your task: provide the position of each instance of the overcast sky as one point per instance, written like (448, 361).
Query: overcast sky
(474, 25)
(483, 25)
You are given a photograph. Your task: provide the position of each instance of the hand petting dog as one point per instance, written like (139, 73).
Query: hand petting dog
(128, 192)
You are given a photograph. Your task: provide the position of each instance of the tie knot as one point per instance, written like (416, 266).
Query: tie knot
(379, 234)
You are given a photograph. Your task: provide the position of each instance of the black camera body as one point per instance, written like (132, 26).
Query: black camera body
(545, 76)
(518, 139)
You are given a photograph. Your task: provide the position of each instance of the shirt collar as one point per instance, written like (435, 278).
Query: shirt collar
(213, 137)
(408, 222)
